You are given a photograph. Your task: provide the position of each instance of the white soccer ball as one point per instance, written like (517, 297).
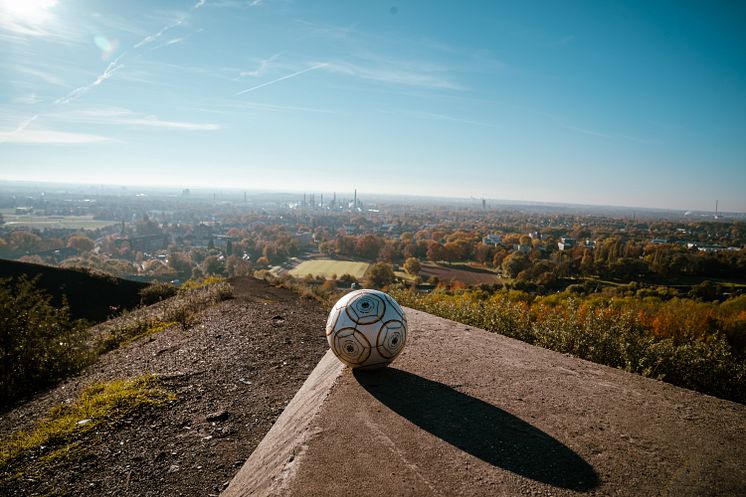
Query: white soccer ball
(366, 329)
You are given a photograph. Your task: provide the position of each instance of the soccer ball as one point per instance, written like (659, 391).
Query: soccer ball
(366, 329)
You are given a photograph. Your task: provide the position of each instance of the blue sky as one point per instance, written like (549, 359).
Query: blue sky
(633, 104)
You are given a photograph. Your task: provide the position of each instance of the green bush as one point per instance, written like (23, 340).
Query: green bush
(157, 291)
(39, 344)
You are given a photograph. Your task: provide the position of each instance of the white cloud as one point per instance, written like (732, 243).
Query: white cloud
(26, 17)
(24, 133)
(30, 99)
(155, 122)
(43, 75)
(119, 116)
(264, 64)
(396, 73)
(444, 117)
(279, 108)
(50, 137)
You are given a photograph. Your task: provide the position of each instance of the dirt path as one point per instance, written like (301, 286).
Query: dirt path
(243, 361)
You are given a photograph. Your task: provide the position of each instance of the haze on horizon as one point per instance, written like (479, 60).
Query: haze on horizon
(641, 104)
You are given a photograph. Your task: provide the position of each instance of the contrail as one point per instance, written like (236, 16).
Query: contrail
(77, 92)
(20, 128)
(312, 68)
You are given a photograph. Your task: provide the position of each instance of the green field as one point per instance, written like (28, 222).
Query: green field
(62, 222)
(328, 267)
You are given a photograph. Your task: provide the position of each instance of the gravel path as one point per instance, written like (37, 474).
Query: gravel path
(239, 366)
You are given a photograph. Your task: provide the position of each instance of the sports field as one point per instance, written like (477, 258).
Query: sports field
(328, 267)
(62, 222)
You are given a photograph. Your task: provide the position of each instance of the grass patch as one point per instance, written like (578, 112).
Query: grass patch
(201, 283)
(152, 328)
(61, 434)
(182, 309)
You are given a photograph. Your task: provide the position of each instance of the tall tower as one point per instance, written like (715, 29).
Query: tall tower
(354, 202)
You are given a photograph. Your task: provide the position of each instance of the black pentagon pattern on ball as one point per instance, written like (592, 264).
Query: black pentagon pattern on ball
(391, 339)
(366, 308)
(351, 345)
(395, 306)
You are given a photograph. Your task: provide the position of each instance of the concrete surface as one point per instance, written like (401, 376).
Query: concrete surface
(467, 412)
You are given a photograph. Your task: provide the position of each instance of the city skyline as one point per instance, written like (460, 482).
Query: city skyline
(636, 105)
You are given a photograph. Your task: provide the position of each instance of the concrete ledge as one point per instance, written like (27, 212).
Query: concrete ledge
(467, 412)
(268, 469)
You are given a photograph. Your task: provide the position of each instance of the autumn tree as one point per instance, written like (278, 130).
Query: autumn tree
(81, 243)
(236, 266)
(213, 265)
(515, 263)
(181, 263)
(380, 275)
(24, 241)
(412, 266)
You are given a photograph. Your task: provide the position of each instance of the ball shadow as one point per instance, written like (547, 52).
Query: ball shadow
(480, 429)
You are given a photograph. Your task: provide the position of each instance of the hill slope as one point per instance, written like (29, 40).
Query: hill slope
(90, 296)
(238, 365)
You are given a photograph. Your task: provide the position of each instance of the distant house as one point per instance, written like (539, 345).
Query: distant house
(351, 229)
(57, 255)
(566, 243)
(492, 239)
(24, 211)
(144, 243)
(709, 247)
(221, 241)
(658, 241)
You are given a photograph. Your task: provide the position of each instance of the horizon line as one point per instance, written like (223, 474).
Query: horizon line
(476, 200)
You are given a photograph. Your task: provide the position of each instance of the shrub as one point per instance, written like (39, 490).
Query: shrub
(155, 292)
(691, 344)
(39, 344)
